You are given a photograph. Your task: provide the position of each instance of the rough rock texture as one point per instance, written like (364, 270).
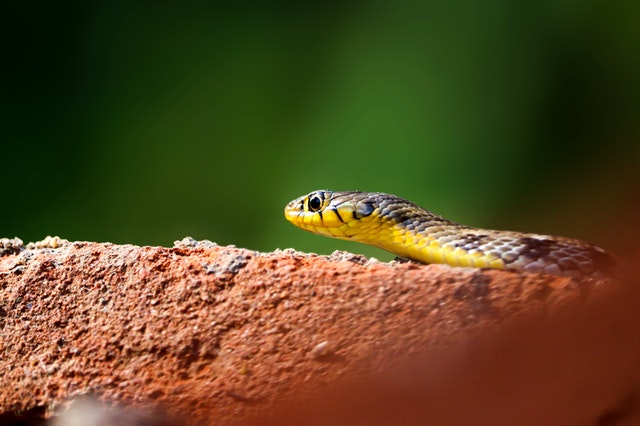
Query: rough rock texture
(225, 336)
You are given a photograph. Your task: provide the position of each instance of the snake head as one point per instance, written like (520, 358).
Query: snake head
(329, 213)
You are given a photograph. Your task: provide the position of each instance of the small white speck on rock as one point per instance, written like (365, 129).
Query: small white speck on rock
(321, 350)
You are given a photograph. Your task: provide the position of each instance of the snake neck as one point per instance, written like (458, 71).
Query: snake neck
(425, 237)
(440, 242)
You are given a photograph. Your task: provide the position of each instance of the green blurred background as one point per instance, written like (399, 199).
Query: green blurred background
(144, 122)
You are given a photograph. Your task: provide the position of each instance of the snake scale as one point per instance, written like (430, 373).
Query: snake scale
(401, 227)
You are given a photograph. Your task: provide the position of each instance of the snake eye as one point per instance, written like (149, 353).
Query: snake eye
(314, 203)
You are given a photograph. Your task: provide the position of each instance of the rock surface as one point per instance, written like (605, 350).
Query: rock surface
(204, 334)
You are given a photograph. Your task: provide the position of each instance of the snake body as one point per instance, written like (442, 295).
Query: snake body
(401, 227)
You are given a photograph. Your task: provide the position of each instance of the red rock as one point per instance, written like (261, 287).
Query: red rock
(220, 335)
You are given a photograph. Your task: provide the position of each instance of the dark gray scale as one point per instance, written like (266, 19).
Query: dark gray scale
(471, 241)
(413, 217)
(570, 258)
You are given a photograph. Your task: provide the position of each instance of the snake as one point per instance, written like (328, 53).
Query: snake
(411, 232)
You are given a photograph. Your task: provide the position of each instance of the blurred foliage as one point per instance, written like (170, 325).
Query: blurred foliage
(143, 122)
